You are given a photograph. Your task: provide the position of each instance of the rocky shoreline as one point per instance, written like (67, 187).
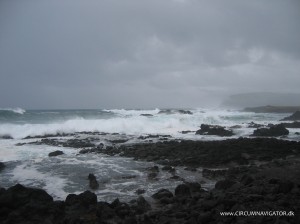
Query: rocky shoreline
(258, 174)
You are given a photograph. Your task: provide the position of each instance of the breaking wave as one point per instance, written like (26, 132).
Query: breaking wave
(16, 110)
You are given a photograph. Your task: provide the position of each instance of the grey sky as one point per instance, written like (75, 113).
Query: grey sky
(138, 53)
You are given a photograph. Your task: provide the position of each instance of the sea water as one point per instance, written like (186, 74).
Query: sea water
(120, 177)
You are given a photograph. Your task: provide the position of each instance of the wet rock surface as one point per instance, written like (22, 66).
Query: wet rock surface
(246, 189)
(211, 153)
(273, 131)
(56, 153)
(258, 174)
(294, 117)
(295, 124)
(93, 183)
(214, 130)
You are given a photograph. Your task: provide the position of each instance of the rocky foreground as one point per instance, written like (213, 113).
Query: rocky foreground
(257, 174)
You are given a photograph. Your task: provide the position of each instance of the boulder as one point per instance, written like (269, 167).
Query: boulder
(214, 130)
(170, 169)
(162, 193)
(182, 190)
(194, 187)
(84, 199)
(254, 125)
(294, 117)
(93, 182)
(152, 175)
(56, 153)
(273, 131)
(185, 112)
(140, 205)
(18, 196)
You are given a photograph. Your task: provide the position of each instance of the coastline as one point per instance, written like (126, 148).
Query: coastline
(259, 174)
(272, 109)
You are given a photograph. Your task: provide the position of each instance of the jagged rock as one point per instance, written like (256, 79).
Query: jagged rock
(254, 125)
(213, 130)
(140, 191)
(140, 205)
(295, 124)
(275, 131)
(182, 190)
(294, 117)
(2, 166)
(213, 173)
(18, 196)
(93, 183)
(84, 199)
(56, 153)
(185, 112)
(162, 193)
(224, 184)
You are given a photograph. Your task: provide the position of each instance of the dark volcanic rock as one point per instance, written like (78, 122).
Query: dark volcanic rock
(209, 153)
(182, 190)
(5, 137)
(140, 191)
(56, 153)
(152, 175)
(140, 205)
(295, 124)
(275, 131)
(254, 125)
(213, 130)
(294, 117)
(2, 166)
(213, 173)
(224, 184)
(170, 169)
(162, 193)
(84, 199)
(147, 115)
(93, 183)
(185, 112)
(118, 141)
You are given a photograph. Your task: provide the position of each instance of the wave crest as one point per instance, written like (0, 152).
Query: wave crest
(16, 110)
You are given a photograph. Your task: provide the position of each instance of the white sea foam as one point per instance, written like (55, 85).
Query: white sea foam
(28, 175)
(124, 112)
(16, 110)
(135, 124)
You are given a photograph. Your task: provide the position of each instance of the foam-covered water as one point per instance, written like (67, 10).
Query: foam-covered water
(38, 122)
(31, 166)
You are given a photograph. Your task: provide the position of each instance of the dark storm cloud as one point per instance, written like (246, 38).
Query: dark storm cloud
(138, 53)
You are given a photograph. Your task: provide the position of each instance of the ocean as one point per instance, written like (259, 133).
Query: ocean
(120, 177)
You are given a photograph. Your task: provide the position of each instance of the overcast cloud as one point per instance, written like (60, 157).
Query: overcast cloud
(141, 53)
